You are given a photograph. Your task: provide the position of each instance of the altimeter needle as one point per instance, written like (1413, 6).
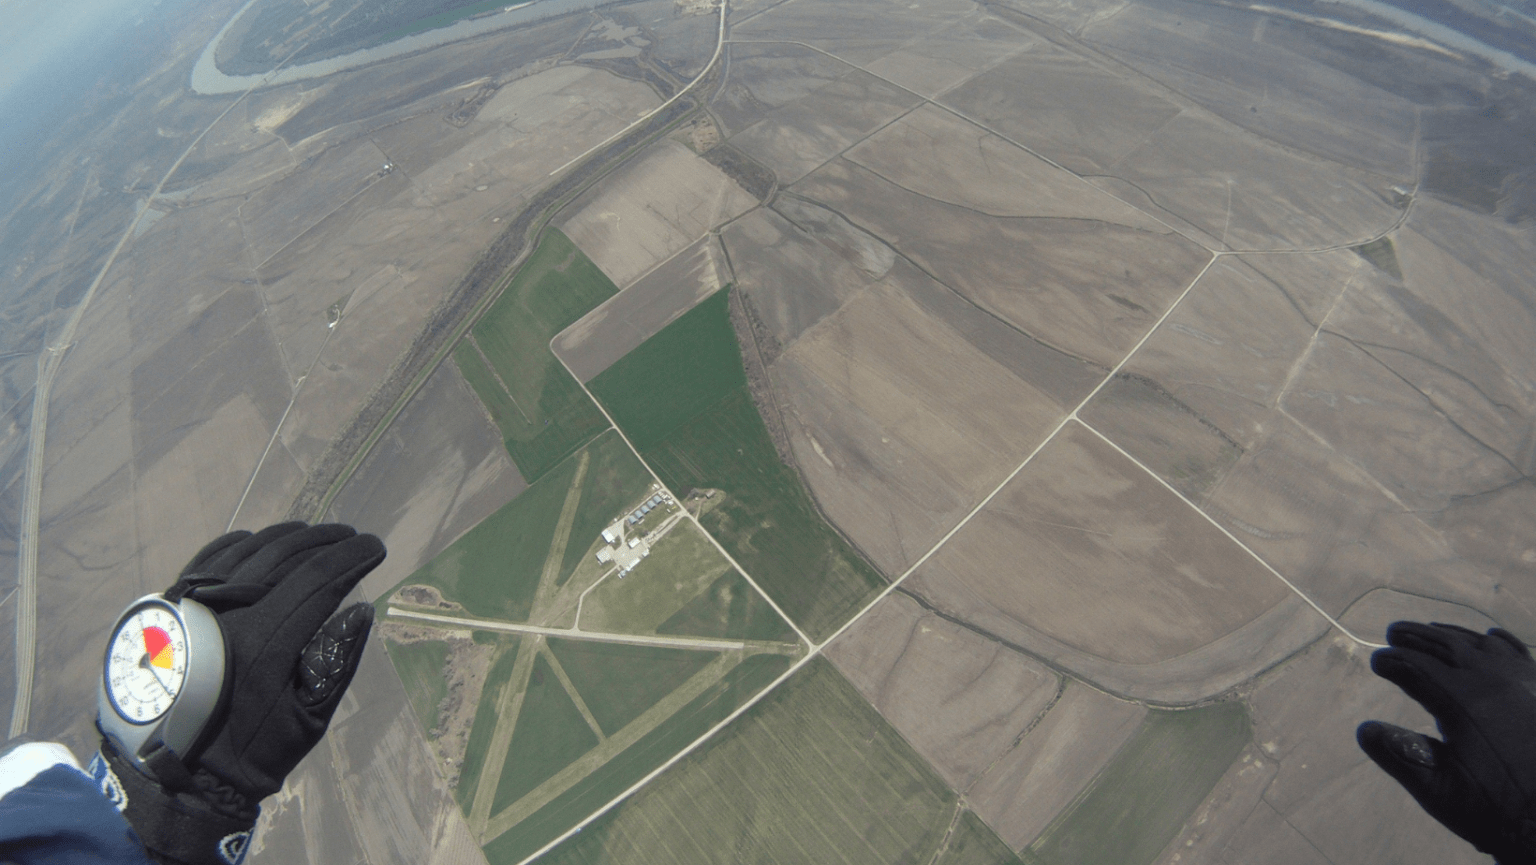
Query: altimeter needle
(144, 662)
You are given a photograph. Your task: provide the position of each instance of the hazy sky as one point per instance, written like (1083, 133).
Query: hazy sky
(35, 32)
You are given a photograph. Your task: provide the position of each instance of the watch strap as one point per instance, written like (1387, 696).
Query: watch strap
(182, 826)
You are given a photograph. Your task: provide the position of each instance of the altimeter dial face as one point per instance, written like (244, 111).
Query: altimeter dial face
(146, 663)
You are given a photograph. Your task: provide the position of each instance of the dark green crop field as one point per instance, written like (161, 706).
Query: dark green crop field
(675, 375)
(696, 424)
(1140, 800)
(811, 769)
(485, 723)
(766, 520)
(549, 735)
(420, 665)
(638, 760)
(974, 843)
(549, 415)
(494, 568)
(618, 682)
(615, 480)
(729, 608)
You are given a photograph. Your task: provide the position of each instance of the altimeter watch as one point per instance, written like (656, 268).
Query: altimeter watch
(162, 678)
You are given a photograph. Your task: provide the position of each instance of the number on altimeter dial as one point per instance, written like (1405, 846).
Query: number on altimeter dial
(146, 664)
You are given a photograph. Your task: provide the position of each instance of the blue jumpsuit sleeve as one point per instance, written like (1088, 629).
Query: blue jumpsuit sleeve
(52, 813)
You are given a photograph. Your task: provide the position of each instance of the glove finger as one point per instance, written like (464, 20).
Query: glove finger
(211, 549)
(1410, 758)
(1420, 676)
(274, 561)
(1437, 641)
(302, 602)
(231, 557)
(328, 663)
(1504, 638)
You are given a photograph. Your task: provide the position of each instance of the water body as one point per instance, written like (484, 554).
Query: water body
(1445, 35)
(208, 79)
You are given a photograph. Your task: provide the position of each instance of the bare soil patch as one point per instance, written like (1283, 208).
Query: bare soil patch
(653, 209)
(1040, 776)
(1084, 546)
(960, 699)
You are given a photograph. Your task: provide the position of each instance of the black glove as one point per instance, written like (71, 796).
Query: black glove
(1480, 778)
(289, 660)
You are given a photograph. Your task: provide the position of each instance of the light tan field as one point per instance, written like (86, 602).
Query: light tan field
(649, 304)
(1086, 548)
(936, 62)
(427, 482)
(858, 31)
(1307, 794)
(794, 281)
(1228, 64)
(935, 154)
(795, 139)
(959, 698)
(954, 420)
(1087, 288)
(1160, 151)
(1030, 784)
(660, 204)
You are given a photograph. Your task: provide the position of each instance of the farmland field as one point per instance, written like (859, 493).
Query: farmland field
(767, 520)
(550, 733)
(728, 608)
(551, 417)
(974, 843)
(688, 366)
(698, 428)
(618, 682)
(420, 665)
(494, 569)
(811, 769)
(615, 776)
(1140, 800)
(485, 724)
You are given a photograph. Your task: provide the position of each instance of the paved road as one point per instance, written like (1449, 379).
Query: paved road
(571, 633)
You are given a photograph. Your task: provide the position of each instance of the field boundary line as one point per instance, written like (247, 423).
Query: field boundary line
(570, 690)
(713, 541)
(1232, 537)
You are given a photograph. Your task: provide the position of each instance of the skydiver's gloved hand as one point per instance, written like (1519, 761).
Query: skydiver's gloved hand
(289, 660)
(1479, 779)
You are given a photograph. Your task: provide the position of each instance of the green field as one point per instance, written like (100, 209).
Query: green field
(697, 427)
(546, 415)
(1138, 802)
(810, 774)
(974, 843)
(615, 480)
(485, 723)
(550, 734)
(766, 521)
(487, 389)
(639, 759)
(675, 375)
(494, 568)
(619, 682)
(729, 608)
(420, 665)
(681, 566)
